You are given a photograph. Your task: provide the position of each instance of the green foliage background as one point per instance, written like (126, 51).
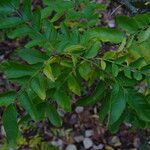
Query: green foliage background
(64, 57)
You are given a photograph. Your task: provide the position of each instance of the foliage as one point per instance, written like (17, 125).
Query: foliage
(63, 58)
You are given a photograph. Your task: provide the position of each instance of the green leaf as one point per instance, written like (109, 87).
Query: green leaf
(146, 69)
(73, 48)
(93, 51)
(28, 105)
(32, 56)
(127, 72)
(115, 70)
(127, 24)
(7, 98)
(66, 63)
(38, 85)
(16, 70)
(94, 97)
(73, 85)
(103, 64)
(6, 6)
(106, 35)
(137, 75)
(46, 12)
(22, 31)
(10, 22)
(41, 108)
(36, 20)
(56, 17)
(27, 12)
(10, 124)
(85, 70)
(35, 42)
(53, 116)
(117, 106)
(137, 63)
(63, 100)
(143, 36)
(139, 104)
(115, 126)
(104, 109)
(48, 72)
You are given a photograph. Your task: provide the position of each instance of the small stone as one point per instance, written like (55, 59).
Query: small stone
(108, 148)
(98, 147)
(87, 143)
(71, 147)
(89, 133)
(79, 109)
(58, 142)
(115, 141)
(111, 23)
(79, 138)
(3, 131)
(73, 120)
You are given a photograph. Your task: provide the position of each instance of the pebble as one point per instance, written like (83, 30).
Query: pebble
(79, 109)
(98, 147)
(3, 131)
(88, 143)
(111, 23)
(58, 142)
(74, 119)
(89, 133)
(79, 138)
(71, 147)
(115, 141)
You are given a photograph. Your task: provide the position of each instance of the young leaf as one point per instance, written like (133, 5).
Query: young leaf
(73, 48)
(38, 86)
(7, 98)
(48, 72)
(73, 85)
(53, 116)
(85, 70)
(127, 72)
(103, 64)
(10, 124)
(115, 70)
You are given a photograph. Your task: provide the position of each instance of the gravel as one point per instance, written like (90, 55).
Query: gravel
(71, 147)
(88, 143)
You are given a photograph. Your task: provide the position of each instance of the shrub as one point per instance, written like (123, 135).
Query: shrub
(64, 58)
